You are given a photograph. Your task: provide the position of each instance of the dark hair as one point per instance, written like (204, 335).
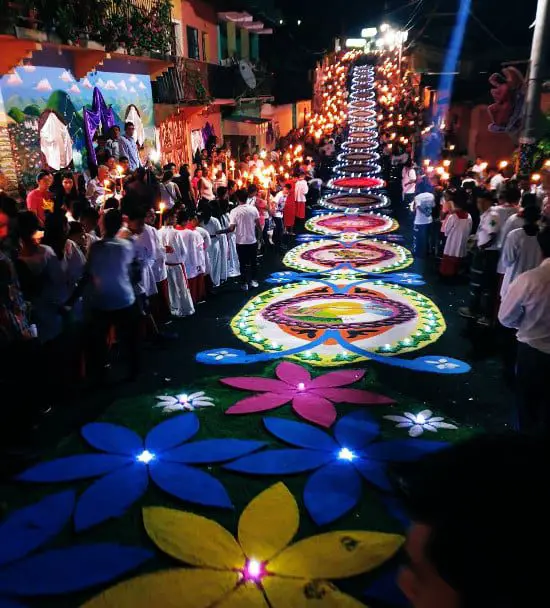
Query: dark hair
(183, 216)
(128, 124)
(111, 203)
(27, 224)
(123, 159)
(252, 189)
(221, 191)
(288, 185)
(531, 214)
(90, 213)
(167, 176)
(112, 221)
(512, 195)
(75, 228)
(8, 205)
(485, 194)
(424, 186)
(242, 195)
(41, 175)
(184, 169)
(460, 199)
(486, 504)
(55, 232)
(529, 200)
(544, 241)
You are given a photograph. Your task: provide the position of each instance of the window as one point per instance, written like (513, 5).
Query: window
(193, 43)
(204, 43)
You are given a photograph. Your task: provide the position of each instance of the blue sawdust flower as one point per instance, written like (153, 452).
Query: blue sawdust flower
(27, 571)
(340, 463)
(128, 462)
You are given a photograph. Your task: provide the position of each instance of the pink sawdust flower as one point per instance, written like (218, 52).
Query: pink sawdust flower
(312, 399)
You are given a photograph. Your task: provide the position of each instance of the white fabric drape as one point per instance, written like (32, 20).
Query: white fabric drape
(56, 143)
(134, 117)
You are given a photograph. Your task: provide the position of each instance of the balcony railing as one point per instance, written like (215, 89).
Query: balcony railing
(195, 82)
(132, 24)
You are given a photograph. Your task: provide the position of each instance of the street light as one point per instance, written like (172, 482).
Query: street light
(369, 32)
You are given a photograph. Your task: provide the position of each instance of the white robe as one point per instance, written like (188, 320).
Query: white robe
(206, 240)
(457, 232)
(195, 259)
(181, 304)
(224, 253)
(214, 250)
(521, 252)
(146, 250)
(233, 267)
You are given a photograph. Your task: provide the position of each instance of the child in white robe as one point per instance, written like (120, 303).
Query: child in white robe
(213, 227)
(458, 228)
(195, 259)
(181, 303)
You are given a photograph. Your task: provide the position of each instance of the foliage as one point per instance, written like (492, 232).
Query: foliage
(112, 23)
(16, 114)
(542, 152)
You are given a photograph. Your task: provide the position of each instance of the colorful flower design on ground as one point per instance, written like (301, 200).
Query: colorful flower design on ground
(127, 462)
(357, 169)
(184, 402)
(423, 421)
(341, 463)
(358, 157)
(355, 203)
(59, 570)
(364, 224)
(348, 258)
(259, 568)
(329, 323)
(312, 399)
(356, 184)
(360, 146)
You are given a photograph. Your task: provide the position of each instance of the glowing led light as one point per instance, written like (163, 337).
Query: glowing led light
(253, 571)
(420, 419)
(146, 456)
(346, 454)
(301, 386)
(183, 398)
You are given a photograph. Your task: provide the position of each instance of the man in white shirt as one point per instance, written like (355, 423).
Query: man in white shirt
(484, 279)
(244, 220)
(301, 189)
(278, 211)
(497, 182)
(526, 307)
(95, 189)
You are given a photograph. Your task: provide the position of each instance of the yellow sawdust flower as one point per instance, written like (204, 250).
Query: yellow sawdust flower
(258, 569)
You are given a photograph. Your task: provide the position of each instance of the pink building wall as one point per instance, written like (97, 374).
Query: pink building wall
(204, 18)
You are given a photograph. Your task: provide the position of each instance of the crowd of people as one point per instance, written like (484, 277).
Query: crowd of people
(495, 229)
(92, 268)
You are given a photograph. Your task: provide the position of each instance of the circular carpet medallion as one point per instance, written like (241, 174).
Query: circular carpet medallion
(331, 323)
(357, 169)
(355, 203)
(356, 184)
(365, 224)
(358, 157)
(348, 257)
(360, 146)
(362, 135)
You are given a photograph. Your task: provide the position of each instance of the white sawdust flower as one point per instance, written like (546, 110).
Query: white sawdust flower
(184, 402)
(418, 423)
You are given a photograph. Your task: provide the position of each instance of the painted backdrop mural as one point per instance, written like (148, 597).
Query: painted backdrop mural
(32, 90)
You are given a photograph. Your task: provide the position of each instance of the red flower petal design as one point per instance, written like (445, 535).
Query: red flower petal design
(315, 409)
(352, 395)
(337, 378)
(293, 374)
(258, 403)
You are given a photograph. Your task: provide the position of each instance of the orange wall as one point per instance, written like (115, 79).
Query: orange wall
(204, 18)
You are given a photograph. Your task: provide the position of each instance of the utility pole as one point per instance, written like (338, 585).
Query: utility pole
(528, 139)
